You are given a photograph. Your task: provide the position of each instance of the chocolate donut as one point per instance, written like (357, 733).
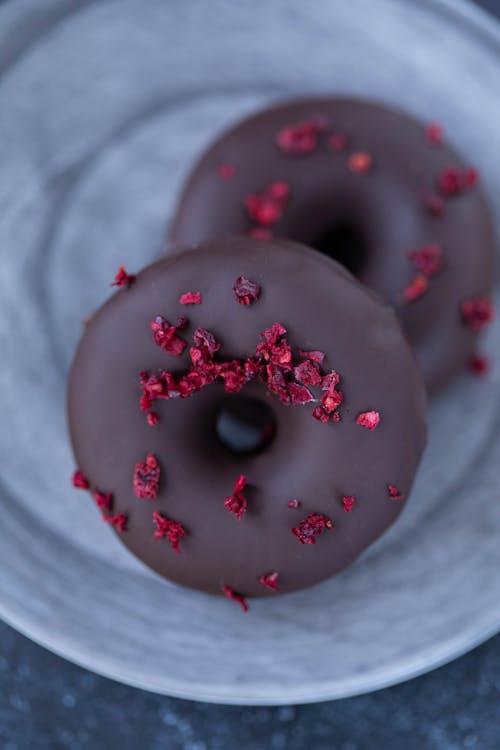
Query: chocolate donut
(373, 189)
(247, 416)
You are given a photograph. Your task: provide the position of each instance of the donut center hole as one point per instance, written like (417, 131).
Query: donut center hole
(345, 243)
(244, 425)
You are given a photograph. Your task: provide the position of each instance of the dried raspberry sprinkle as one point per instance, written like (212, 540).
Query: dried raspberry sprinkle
(416, 288)
(427, 259)
(307, 372)
(123, 278)
(453, 182)
(338, 141)
(434, 133)
(331, 399)
(205, 341)
(147, 478)
(275, 349)
(190, 298)
(233, 375)
(270, 580)
(321, 415)
(394, 493)
(299, 394)
(309, 528)
(164, 336)
(263, 210)
(232, 594)
(293, 503)
(182, 322)
(299, 139)
(477, 313)
(79, 480)
(348, 502)
(471, 177)
(246, 291)
(103, 500)
(267, 208)
(168, 529)
(360, 162)
(434, 204)
(479, 365)
(279, 190)
(368, 419)
(237, 502)
(226, 171)
(329, 381)
(153, 418)
(119, 521)
(314, 356)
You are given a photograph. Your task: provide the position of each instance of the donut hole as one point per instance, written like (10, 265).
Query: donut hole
(244, 425)
(344, 242)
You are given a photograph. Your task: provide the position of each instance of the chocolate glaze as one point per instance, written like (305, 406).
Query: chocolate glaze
(370, 219)
(323, 307)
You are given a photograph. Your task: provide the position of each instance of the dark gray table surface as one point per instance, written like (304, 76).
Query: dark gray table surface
(47, 703)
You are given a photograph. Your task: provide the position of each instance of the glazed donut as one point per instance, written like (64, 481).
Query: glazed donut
(373, 189)
(248, 417)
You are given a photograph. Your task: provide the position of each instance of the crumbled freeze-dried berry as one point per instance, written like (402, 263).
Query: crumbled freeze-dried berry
(348, 503)
(270, 580)
(147, 478)
(453, 182)
(299, 394)
(123, 278)
(477, 313)
(233, 375)
(416, 288)
(360, 162)
(309, 528)
(368, 419)
(263, 210)
(314, 356)
(153, 418)
(190, 298)
(279, 190)
(330, 380)
(164, 336)
(428, 259)
(118, 521)
(267, 208)
(321, 415)
(294, 503)
(205, 341)
(79, 480)
(332, 397)
(299, 139)
(237, 503)
(434, 133)
(307, 372)
(103, 500)
(337, 141)
(478, 365)
(168, 529)
(232, 594)
(226, 171)
(245, 291)
(434, 204)
(394, 493)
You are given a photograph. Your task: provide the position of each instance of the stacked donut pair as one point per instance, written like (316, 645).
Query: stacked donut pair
(248, 413)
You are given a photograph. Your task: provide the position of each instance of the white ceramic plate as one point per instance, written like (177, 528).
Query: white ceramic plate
(103, 106)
